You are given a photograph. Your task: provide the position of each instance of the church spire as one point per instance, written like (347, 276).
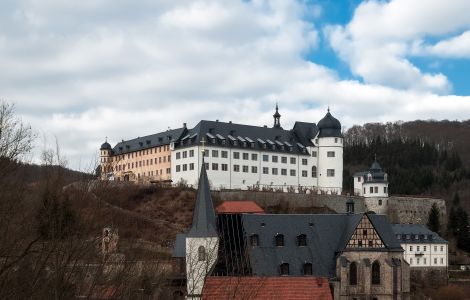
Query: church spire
(277, 118)
(204, 224)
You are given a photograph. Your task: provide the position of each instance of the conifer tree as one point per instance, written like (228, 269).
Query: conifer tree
(433, 219)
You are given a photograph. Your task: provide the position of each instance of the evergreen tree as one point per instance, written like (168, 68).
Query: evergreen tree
(433, 219)
(462, 233)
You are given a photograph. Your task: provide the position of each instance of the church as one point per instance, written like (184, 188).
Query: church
(308, 157)
(356, 254)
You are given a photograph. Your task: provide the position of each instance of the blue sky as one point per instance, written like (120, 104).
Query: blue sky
(81, 71)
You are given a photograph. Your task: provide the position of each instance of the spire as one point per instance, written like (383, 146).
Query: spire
(277, 118)
(204, 215)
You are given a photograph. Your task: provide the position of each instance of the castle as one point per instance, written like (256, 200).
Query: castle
(308, 156)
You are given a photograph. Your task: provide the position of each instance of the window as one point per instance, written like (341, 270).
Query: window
(284, 172)
(364, 190)
(308, 269)
(442, 261)
(201, 253)
(359, 179)
(411, 261)
(254, 240)
(206, 153)
(284, 159)
(353, 274)
(417, 248)
(254, 156)
(279, 240)
(435, 261)
(178, 168)
(246, 156)
(274, 159)
(191, 166)
(254, 169)
(302, 240)
(424, 260)
(435, 248)
(265, 157)
(215, 167)
(376, 273)
(385, 189)
(304, 173)
(292, 160)
(314, 172)
(274, 171)
(284, 269)
(411, 248)
(314, 153)
(370, 244)
(371, 190)
(442, 248)
(330, 172)
(376, 189)
(245, 169)
(265, 170)
(207, 166)
(336, 140)
(236, 155)
(185, 167)
(178, 155)
(185, 154)
(292, 172)
(191, 153)
(224, 167)
(224, 154)
(236, 168)
(380, 201)
(215, 153)
(330, 154)
(359, 243)
(304, 161)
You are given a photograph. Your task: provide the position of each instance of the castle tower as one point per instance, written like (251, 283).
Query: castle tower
(277, 118)
(330, 154)
(202, 241)
(105, 159)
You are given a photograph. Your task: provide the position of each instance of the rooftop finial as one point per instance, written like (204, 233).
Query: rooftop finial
(328, 108)
(106, 139)
(277, 118)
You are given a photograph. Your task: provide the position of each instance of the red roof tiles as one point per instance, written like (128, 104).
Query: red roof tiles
(239, 207)
(267, 288)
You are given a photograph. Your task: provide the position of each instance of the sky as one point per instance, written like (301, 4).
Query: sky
(81, 71)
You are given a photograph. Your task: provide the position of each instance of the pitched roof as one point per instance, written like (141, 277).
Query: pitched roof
(267, 288)
(237, 207)
(412, 230)
(149, 141)
(233, 132)
(329, 126)
(204, 223)
(326, 236)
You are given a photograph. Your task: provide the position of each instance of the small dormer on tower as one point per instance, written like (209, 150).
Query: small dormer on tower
(277, 118)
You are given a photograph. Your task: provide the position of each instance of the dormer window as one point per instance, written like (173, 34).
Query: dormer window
(201, 253)
(279, 240)
(369, 177)
(284, 269)
(302, 240)
(254, 240)
(308, 269)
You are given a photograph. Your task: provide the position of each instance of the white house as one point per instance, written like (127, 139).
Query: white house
(423, 247)
(371, 183)
(243, 156)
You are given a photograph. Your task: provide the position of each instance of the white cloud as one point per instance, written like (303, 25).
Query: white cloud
(454, 47)
(120, 69)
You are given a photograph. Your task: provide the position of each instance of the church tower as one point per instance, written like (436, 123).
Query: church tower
(202, 241)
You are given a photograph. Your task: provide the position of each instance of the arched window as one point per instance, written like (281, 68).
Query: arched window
(254, 240)
(280, 240)
(314, 171)
(376, 273)
(201, 253)
(284, 269)
(353, 274)
(302, 240)
(308, 269)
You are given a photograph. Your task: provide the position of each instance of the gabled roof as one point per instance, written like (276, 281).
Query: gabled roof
(149, 141)
(408, 233)
(204, 223)
(327, 235)
(238, 207)
(267, 288)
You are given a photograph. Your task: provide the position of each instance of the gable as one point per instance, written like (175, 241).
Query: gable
(365, 236)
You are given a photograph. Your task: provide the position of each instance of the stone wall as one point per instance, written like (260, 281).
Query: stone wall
(414, 210)
(427, 277)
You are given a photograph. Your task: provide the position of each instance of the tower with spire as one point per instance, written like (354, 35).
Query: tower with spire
(202, 241)
(277, 118)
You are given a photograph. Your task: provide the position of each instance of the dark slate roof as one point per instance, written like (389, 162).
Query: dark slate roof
(327, 235)
(305, 132)
(222, 130)
(376, 171)
(204, 222)
(406, 233)
(329, 126)
(179, 250)
(149, 141)
(105, 146)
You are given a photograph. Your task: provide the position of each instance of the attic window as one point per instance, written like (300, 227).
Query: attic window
(254, 240)
(302, 240)
(201, 253)
(280, 240)
(284, 269)
(308, 269)
(369, 177)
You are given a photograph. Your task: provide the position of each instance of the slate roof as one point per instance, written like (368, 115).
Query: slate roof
(213, 130)
(105, 146)
(375, 171)
(267, 288)
(149, 141)
(239, 207)
(329, 126)
(327, 235)
(204, 222)
(179, 250)
(406, 233)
